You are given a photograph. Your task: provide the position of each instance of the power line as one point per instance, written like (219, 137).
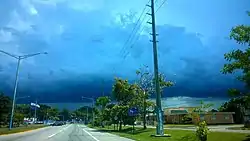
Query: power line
(142, 29)
(138, 35)
(164, 1)
(144, 25)
(134, 27)
(138, 21)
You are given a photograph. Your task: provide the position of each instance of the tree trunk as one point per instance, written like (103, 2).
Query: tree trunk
(120, 127)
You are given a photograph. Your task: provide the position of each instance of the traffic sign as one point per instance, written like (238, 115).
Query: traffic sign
(133, 111)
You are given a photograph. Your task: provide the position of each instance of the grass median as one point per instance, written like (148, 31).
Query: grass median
(4, 131)
(176, 135)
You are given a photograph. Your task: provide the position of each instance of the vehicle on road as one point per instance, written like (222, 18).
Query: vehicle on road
(58, 123)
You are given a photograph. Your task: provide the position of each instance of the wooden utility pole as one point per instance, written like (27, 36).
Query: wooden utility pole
(158, 109)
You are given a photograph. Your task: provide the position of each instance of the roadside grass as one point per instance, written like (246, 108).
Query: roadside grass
(176, 135)
(5, 130)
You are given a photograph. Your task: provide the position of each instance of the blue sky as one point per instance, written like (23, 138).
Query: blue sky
(84, 39)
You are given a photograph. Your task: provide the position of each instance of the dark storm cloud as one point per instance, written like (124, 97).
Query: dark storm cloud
(30, 43)
(195, 62)
(196, 77)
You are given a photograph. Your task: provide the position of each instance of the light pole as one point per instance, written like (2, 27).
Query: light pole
(93, 102)
(19, 58)
(87, 114)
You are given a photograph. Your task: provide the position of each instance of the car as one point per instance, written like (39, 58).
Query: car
(57, 123)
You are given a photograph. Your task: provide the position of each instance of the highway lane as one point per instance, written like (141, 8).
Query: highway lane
(72, 132)
(35, 135)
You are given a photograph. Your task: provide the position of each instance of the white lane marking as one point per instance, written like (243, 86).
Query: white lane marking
(59, 131)
(52, 135)
(89, 134)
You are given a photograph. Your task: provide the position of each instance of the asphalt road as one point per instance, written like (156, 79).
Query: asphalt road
(72, 132)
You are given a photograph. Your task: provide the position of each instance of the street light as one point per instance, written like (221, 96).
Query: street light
(93, 102)
(19, 58)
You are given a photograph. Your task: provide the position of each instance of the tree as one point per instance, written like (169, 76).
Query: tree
(203, 107)
(106, 116)
(146, 84)
(53, 113)
(65, 113)
(123, 92)
(24, 109)
(5, 107)
(126, 96)
(121, 112)
(45, 112)
(239, 59)
(164, 83)
(235, 105)
(18, 118)
(103, 102)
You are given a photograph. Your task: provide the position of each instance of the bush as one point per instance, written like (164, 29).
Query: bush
(247, 124)
(187, 119)
(202, 131)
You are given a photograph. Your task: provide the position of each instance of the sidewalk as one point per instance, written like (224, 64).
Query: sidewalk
(102, 136)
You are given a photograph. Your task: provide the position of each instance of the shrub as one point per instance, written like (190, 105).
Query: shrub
(202, 131)
(247, 124)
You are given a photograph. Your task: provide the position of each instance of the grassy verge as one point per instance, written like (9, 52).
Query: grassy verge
(177, 135)
(20, 129)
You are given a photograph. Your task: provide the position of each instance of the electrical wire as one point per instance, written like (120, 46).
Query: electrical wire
(142, 29)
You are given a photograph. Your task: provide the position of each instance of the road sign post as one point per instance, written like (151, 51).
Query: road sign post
(115, 118)
(133, 112)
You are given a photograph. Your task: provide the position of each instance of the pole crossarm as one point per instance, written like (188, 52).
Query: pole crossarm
(11, 55)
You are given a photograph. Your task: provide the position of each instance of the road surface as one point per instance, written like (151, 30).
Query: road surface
(71, 132)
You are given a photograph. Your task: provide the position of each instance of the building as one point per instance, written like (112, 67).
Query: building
(176, 116)
(215, 117)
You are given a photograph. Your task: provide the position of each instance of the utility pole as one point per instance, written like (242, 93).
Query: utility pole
(158, 109)
(35, 111)
(87, 114)
(93, 112)
(93, 106)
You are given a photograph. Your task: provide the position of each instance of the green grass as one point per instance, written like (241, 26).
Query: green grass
(176, 135)
(20, 129)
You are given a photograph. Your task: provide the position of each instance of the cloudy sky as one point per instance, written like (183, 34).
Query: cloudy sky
(85, 41)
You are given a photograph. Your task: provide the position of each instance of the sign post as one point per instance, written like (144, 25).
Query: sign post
(133, 112)
(115, 118)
